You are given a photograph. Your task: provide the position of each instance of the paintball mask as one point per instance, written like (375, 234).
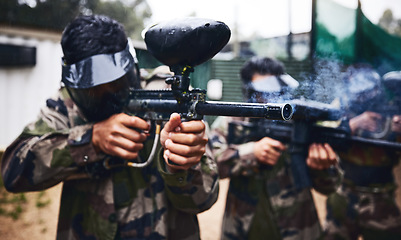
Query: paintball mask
(271, 89)
(392, 85)
(100, 84)
(363, 90)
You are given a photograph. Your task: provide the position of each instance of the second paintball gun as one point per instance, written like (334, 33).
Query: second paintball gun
(301, 132)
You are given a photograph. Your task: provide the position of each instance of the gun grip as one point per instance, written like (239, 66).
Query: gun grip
(172, 163)
(300, 171)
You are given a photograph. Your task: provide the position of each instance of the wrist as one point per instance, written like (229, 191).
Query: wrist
(94, 140)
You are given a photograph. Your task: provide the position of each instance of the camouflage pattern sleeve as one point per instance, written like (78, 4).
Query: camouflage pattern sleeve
(195, 190)
(232, 159)
(48, 150)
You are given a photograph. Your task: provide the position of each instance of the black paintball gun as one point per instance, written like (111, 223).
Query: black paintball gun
(300, 132)
(387, 104)
(183, 44)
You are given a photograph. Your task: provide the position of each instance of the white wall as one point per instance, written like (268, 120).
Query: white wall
(24, 90)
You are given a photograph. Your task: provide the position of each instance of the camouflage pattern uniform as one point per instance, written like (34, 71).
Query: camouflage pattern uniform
(262, 201)
(124, 203)
(365, 205)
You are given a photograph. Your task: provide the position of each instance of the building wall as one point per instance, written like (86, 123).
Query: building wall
(276, 47)
(24, 90)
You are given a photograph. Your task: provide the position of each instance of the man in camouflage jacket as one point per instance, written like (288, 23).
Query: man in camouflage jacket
(103, 198)
(262, 198)
(364, 205)
(263, 201)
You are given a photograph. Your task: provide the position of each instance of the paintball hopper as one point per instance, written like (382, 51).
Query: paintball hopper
(186, 42)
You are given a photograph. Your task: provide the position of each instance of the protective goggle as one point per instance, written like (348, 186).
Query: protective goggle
(99, 69)
(274, 83)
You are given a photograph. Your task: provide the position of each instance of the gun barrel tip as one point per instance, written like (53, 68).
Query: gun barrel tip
(287, 112)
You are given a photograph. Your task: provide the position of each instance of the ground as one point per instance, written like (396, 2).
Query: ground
(38, 219)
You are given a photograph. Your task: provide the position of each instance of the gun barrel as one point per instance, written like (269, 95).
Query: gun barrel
(254, 110)
(161, 109)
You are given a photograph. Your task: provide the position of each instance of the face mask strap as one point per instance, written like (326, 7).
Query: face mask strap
(133, 54)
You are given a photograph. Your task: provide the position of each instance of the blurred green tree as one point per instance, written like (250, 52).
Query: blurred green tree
(389, 23)
(55, 14)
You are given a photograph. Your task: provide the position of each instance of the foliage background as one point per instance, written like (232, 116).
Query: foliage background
(54, 15)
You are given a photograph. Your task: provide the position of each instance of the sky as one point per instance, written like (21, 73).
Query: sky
(265, 18)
